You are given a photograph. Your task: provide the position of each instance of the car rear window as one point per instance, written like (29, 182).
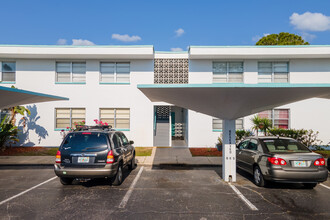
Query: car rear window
(87, 141)
(283, 145)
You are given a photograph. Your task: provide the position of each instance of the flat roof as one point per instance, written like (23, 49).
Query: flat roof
(147, 52)
(77, 52)
(259, 52)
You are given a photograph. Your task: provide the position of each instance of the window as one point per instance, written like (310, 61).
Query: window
(227, 72)
(66, 117)
(71, 72)
(115, 72)
(280, 117)
(8, 71)
(116, 117)
(253, 145)
(244, 144)
(277, 72)
(217, 124)
(123, 139)
(3, 114)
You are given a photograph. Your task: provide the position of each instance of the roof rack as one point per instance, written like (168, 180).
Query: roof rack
(94, 127)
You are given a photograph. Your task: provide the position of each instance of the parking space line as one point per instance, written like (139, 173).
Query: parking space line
(325, 186)
(19, 194)
(247, 202)
(130, 190)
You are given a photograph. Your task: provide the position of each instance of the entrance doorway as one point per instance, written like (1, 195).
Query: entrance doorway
(170, 126)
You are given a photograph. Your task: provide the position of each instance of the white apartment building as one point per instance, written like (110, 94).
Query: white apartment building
(102, 82)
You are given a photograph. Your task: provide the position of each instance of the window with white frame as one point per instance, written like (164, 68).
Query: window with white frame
(70, 72)
(116, 117)
(276, 72)
(227, 72)
(217, 124)
(66, 117)
(8, 71)
(114, 72)
(4, 113)
(280, 117)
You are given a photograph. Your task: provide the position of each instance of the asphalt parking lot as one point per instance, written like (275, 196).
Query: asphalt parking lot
(153, 193)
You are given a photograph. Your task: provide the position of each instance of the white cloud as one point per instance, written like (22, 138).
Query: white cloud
(258, 37)
(81, 42)
(179, 32)
(307, 36)
(176, 49)
(126, 37)
(310, 21)
(61, 41)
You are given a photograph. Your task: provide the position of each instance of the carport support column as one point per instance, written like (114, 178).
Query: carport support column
(229, 150)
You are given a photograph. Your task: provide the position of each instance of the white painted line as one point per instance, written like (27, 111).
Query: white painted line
(247, 202)
(19, 194)
(130, 190)
(325, 186)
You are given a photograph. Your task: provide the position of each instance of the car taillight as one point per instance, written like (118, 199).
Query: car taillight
(276, 161)
(319, 162)
(58, 157)
(110, 158)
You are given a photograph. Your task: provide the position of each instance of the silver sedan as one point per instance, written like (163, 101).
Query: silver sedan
(281, 160)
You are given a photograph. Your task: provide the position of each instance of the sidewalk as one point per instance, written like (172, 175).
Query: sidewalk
(159, 157)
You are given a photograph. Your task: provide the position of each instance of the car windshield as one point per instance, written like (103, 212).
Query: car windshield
(284, 145)
(86, 141)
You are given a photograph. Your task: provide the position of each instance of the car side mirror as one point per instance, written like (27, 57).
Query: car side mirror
(131, 142)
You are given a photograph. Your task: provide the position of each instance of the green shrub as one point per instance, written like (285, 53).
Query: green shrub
(307, 137)
(242, 134)
(8, 132)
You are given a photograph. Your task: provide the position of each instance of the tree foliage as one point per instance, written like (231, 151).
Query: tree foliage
(8, 133)
(282, 38)
(261, 124)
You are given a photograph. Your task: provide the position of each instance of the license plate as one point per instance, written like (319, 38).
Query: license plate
(83, 159)
(300, 163)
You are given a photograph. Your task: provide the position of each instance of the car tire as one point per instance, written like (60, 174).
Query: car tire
(310, 185)
(132, 164)
(118, 179)
(258, 178)
(66, 181)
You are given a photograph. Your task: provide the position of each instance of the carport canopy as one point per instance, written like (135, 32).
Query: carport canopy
(10, 97)
(230, 101)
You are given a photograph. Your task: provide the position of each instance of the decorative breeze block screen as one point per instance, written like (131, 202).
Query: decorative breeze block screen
(171, 71)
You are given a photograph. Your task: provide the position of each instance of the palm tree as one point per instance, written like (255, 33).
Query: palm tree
(267, 124)
(17, 110)
(262, 124)
(256, 120)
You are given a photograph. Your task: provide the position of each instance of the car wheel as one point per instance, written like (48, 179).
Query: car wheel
(310, 185)
(66, 181)
(132, 165)
(118, 179)
(258, 177)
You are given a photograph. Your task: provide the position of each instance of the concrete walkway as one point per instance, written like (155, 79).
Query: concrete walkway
(160, 156)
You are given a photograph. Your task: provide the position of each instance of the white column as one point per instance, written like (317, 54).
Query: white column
(229, 151)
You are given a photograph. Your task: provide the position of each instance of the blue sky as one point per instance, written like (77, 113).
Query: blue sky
(168, 25)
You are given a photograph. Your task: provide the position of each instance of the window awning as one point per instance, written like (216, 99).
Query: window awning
(233, 100)
(10, 97)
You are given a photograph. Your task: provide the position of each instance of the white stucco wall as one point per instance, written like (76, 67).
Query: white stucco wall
(308, 114)
(39, 75)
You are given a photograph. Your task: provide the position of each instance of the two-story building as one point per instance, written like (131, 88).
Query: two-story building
(101, 83)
